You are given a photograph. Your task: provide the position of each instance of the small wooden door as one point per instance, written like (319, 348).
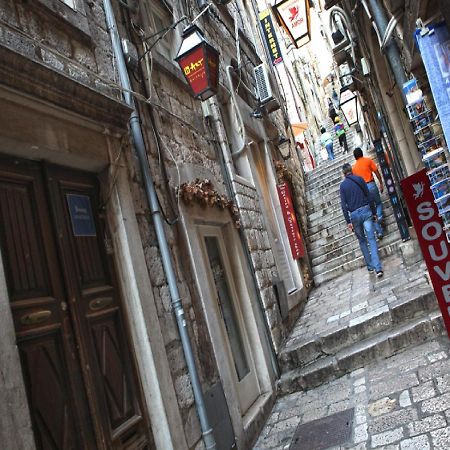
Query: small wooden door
(81, 382)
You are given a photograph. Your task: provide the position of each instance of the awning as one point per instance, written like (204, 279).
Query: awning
(298, 128)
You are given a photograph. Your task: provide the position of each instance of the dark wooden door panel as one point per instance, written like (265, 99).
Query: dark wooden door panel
(39, 307)
(98, 308)
(44, 368)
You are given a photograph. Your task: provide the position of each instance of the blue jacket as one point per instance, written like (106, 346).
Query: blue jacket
(354, 196)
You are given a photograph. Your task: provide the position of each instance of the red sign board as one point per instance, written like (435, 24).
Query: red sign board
(290, 221)
(194, 68)
(432, 239)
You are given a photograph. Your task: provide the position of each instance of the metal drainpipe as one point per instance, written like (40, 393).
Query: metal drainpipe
(391, 49)
(139, 146)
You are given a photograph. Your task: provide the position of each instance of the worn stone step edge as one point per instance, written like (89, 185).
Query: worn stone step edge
(302, 352)
(315, 212)
(331, 274)
(336, 226)
(342, 236)
(381, 346)
(334, 257)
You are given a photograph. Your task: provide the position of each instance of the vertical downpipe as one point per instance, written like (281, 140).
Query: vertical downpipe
(139, 147)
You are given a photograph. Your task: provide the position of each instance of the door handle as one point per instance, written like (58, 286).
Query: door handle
(36, 317)
(100, 303)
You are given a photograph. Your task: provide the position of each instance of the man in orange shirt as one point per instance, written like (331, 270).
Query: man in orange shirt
(366, 168)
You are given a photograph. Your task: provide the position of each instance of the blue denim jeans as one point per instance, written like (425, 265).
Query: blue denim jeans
(329, 148)
(363, 226)
(375, 193)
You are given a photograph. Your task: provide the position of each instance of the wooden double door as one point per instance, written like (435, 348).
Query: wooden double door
(82, 386)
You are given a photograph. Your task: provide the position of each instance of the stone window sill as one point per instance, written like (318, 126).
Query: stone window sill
(75, 18)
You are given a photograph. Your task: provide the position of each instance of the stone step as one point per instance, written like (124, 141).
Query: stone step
(335, 219)
(334, 210)
(353, 252)
(385, 250)
(348, 241)
(345, 252)
(342, 235)
(300, 351)
(382, 345)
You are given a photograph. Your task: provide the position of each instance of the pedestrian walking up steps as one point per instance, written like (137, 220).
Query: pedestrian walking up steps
(358, 318)
(332, 248)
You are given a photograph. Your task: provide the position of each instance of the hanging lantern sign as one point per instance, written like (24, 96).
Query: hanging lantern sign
(293, 16)
(349, 106)
(199, 62)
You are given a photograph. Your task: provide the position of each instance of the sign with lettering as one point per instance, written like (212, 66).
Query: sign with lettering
(431, 236)
(392, 191)
(270, 36)
(290, 221)
(293, 16)
(81, 216)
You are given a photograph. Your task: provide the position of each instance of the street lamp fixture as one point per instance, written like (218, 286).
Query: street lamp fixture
(284, 147)
(293, 16)
(349, 105)
(199, 62)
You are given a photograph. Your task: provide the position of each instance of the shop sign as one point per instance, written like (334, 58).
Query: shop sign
(290, 221)
(293, 16)
(431, 236)
(81, 215)
(270, 36)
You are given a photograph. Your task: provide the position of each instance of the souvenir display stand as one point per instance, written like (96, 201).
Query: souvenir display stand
(435, 156)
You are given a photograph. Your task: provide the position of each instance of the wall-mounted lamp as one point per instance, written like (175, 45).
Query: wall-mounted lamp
(349, 105)
(199, 62)
(284, 146)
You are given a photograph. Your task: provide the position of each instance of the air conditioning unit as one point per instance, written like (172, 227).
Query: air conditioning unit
(267, 101)
(263, 89)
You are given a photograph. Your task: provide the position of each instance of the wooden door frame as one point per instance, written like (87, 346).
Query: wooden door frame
(192, 216)
(146, 334)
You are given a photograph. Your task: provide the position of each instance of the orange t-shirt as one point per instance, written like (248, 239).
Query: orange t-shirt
(364, 167)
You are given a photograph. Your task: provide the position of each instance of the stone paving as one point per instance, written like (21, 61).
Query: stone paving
(401, 402)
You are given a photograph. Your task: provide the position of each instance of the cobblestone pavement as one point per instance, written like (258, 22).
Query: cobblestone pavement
(400, 403)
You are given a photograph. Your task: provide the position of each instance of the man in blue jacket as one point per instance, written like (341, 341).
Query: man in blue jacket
(360, 212)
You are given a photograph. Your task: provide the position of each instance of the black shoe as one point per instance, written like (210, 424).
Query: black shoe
(371, 270)
(380, 273)
(379, 237)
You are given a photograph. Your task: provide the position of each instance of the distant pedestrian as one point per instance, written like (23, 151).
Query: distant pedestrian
(332, 114)
(326, 141)
(339, 129)
(359, 211)
(366, 169)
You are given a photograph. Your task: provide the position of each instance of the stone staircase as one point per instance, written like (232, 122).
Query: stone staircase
(332, 248)
(351, 317)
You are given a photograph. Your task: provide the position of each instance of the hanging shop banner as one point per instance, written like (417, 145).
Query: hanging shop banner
(290, 221)
(435, 51)
(431, 236)
(293, 16)
(270, 36)
(392, 191)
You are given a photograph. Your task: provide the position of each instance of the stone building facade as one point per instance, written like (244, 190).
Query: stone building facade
(381, 93)
(91, 352)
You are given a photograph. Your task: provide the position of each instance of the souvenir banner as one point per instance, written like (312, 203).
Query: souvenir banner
(290, 221)
(435, 51)
(270, 36)
(431, 237)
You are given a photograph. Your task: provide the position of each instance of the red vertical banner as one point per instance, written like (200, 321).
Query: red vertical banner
(431, 236)
(290, 221)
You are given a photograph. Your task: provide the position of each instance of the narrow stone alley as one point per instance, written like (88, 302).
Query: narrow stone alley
(366, 365)
(373, 350)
